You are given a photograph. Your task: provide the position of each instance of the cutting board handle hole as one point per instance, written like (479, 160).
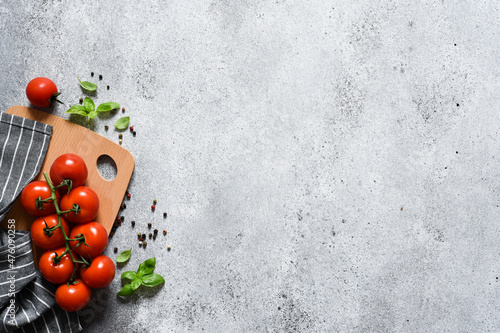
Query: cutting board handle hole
(106, 167)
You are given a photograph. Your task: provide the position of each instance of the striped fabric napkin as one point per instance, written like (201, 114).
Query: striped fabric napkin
(27, 302)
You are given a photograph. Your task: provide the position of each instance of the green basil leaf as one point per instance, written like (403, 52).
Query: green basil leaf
(89, 86)
(152, 280)
(89, 104)
(122, 123)
(124, 256)
(78, 109)
(108, 106)
(136, 283)
(129, 275)
(146, 267)
(126, 290)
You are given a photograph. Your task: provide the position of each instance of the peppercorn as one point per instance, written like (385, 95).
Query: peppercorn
(143, 237)
(144, 243)
(149, 225)
(100, 77)
(122, 218)
(123, 109)
(120, 141)
(131, 128)
(107, 87)
(165, 215)
(133, 133)
(164, 232)
(150, 235)
(153, 207)
(154, 237)
(120, 136)
(81, 100)
(154, 201)
(139, 234)
(133, 223)
(140, 243)
(106, 127)
(128, 195)
(156, 231)
(115, 249)
(168, 248)
(124, 206)
(118, 219)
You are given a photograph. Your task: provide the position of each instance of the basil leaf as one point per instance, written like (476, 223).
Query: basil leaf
(126, 290)
(152, 280)
(89, 104)
(129, 275)
(108, 106)
(91, 116)
(89, 86)
(77, 109)
(146, 267)
(122, 123)
(136, 283)
(124, 256)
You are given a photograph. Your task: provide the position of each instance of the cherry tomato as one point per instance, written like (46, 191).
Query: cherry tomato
(33, 191)
(44, 241)
(41, 92)
(86, 199)
(53, 273)
(96, 239)
(73, 297)
(69, 166)
(100, 273)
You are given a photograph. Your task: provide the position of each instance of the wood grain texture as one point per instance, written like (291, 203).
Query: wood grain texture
(68, 137)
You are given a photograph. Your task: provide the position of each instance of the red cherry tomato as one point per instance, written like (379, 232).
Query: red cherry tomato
(86, 199)
(41, 92)
(69, 166)
(96, 239)
(100, 273)
(73, 297)
(33, 191)
(56, 273)
(44, 241)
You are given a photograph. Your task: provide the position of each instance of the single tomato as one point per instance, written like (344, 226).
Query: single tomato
(42, 92)
(56, 273)
(44, 240)
(96, 239)
(32, 193)
(100, 273)
(69, 166)
(73, 297)
(87, 201)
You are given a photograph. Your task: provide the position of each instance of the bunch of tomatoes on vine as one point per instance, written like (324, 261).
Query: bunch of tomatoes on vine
(73, 256)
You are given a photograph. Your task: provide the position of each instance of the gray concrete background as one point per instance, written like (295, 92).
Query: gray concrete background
(327, 166)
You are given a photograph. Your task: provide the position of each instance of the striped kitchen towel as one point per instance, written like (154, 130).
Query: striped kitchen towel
(27, 302)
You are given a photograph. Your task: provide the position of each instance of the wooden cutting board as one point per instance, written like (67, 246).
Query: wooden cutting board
(68, 137)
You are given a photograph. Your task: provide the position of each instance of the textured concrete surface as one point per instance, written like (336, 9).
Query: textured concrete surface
(326, 166)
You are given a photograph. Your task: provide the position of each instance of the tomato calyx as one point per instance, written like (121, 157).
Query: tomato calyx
(65, 182)
(49, 231)
(39, 202)
(53, 98)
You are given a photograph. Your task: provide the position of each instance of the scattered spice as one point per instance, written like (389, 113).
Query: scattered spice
(150, 235)
(155, 201)
(144, 243)
(115, 250)
(123, 109)
(153, 207)
(81, 100)
(120, 136)
(133, 133)
(154, 237)
(124, 206)
(156, 231)
(133, 223)
(168, 248)
(149, 225)
(131, 128)
(107, 87)
(100, 77)
(120, 141)
(165, 215)
(106, 127)
(128, 195)
(164, 232)
(140, 243)
(139, 235)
